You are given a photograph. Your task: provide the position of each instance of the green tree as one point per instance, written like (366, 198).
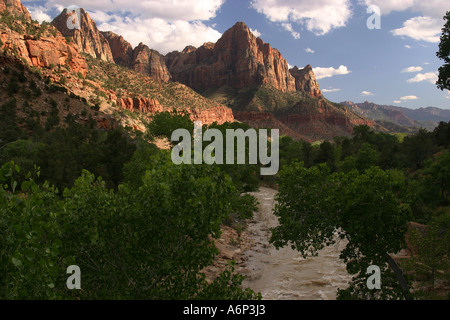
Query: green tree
(150, 242)
(165, 123)
(443, 81)
(437, 177)
(430, 258)
(315, 206)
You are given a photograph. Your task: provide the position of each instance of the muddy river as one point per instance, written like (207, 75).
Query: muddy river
(284, 274)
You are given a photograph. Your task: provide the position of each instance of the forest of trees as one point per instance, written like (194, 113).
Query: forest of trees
(140, 227)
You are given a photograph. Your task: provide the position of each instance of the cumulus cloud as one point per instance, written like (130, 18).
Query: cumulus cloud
(255, 32)
(412, 69)
(421, 28)
(433, 8)
(426, 27)
(406, 98)
(171, 10)
(330, 72)
(161, 34)
(164, 25)
(367, 93)
(397, 101)
(309, 50)
(319, 16)
(39, 13)
(289, 28)
(331, 90)
(431, 77)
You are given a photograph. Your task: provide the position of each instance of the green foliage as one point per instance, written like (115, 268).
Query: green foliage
(430, 259)
(9, 129)
(443, 54)
(146, 243)
(314, 207)
(165, 123)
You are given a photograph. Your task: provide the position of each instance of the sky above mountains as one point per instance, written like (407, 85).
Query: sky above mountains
(356, 54)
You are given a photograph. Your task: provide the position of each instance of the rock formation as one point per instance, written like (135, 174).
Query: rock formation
(305, 80)
(238, 59)
(46, 51)
(84, 33)
(150, 62)
(140, 59)
(15, 7)
(219, 114)
(121, 50)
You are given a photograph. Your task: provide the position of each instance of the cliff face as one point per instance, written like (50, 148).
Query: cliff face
(305, 80)
(15, 7)
(121, 50)
(238, 59)
(47, 51)
(324, 123)
(140, 59)
(150, 62)
(219, 114)
(87, 37)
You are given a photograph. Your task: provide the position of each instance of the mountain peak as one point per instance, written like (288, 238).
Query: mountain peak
(240, 25)
(305, 80)
(84, 32)
(15, 7)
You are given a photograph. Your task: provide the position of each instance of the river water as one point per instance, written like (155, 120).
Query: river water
(284, 274)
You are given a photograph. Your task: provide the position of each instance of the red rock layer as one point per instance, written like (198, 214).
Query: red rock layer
(238, 59)
(305, 80)
(45, 52)
(151, 106)
(141, 59)
(87, 37)
(15, 7)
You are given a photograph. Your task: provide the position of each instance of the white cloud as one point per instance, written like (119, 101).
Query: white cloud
(39, 13)
(331, 90)
(412, 69)
(406, 98)
(431, 77)
(289, 28)
(433, 8)
(397, 101)
(164, 25)
(330, 72)
(171, 10)
(421, 28)
(319, 16)
(160, 34)
(367, 93)
(407, 46)
(309, 50)
(255, 32)
(426, 27)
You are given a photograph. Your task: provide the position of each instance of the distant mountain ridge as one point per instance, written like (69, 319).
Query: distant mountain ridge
(427, 118)
(239, 77)
(240, 71)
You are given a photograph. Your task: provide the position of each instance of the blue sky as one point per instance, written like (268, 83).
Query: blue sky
(394, 65)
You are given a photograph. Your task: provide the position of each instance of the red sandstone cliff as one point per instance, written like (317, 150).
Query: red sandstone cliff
(15, 7)
(305, 80)
(121, 50)
(219, 114)
(84, 33)
(141, 59)
(46, 51)
(238, 59)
